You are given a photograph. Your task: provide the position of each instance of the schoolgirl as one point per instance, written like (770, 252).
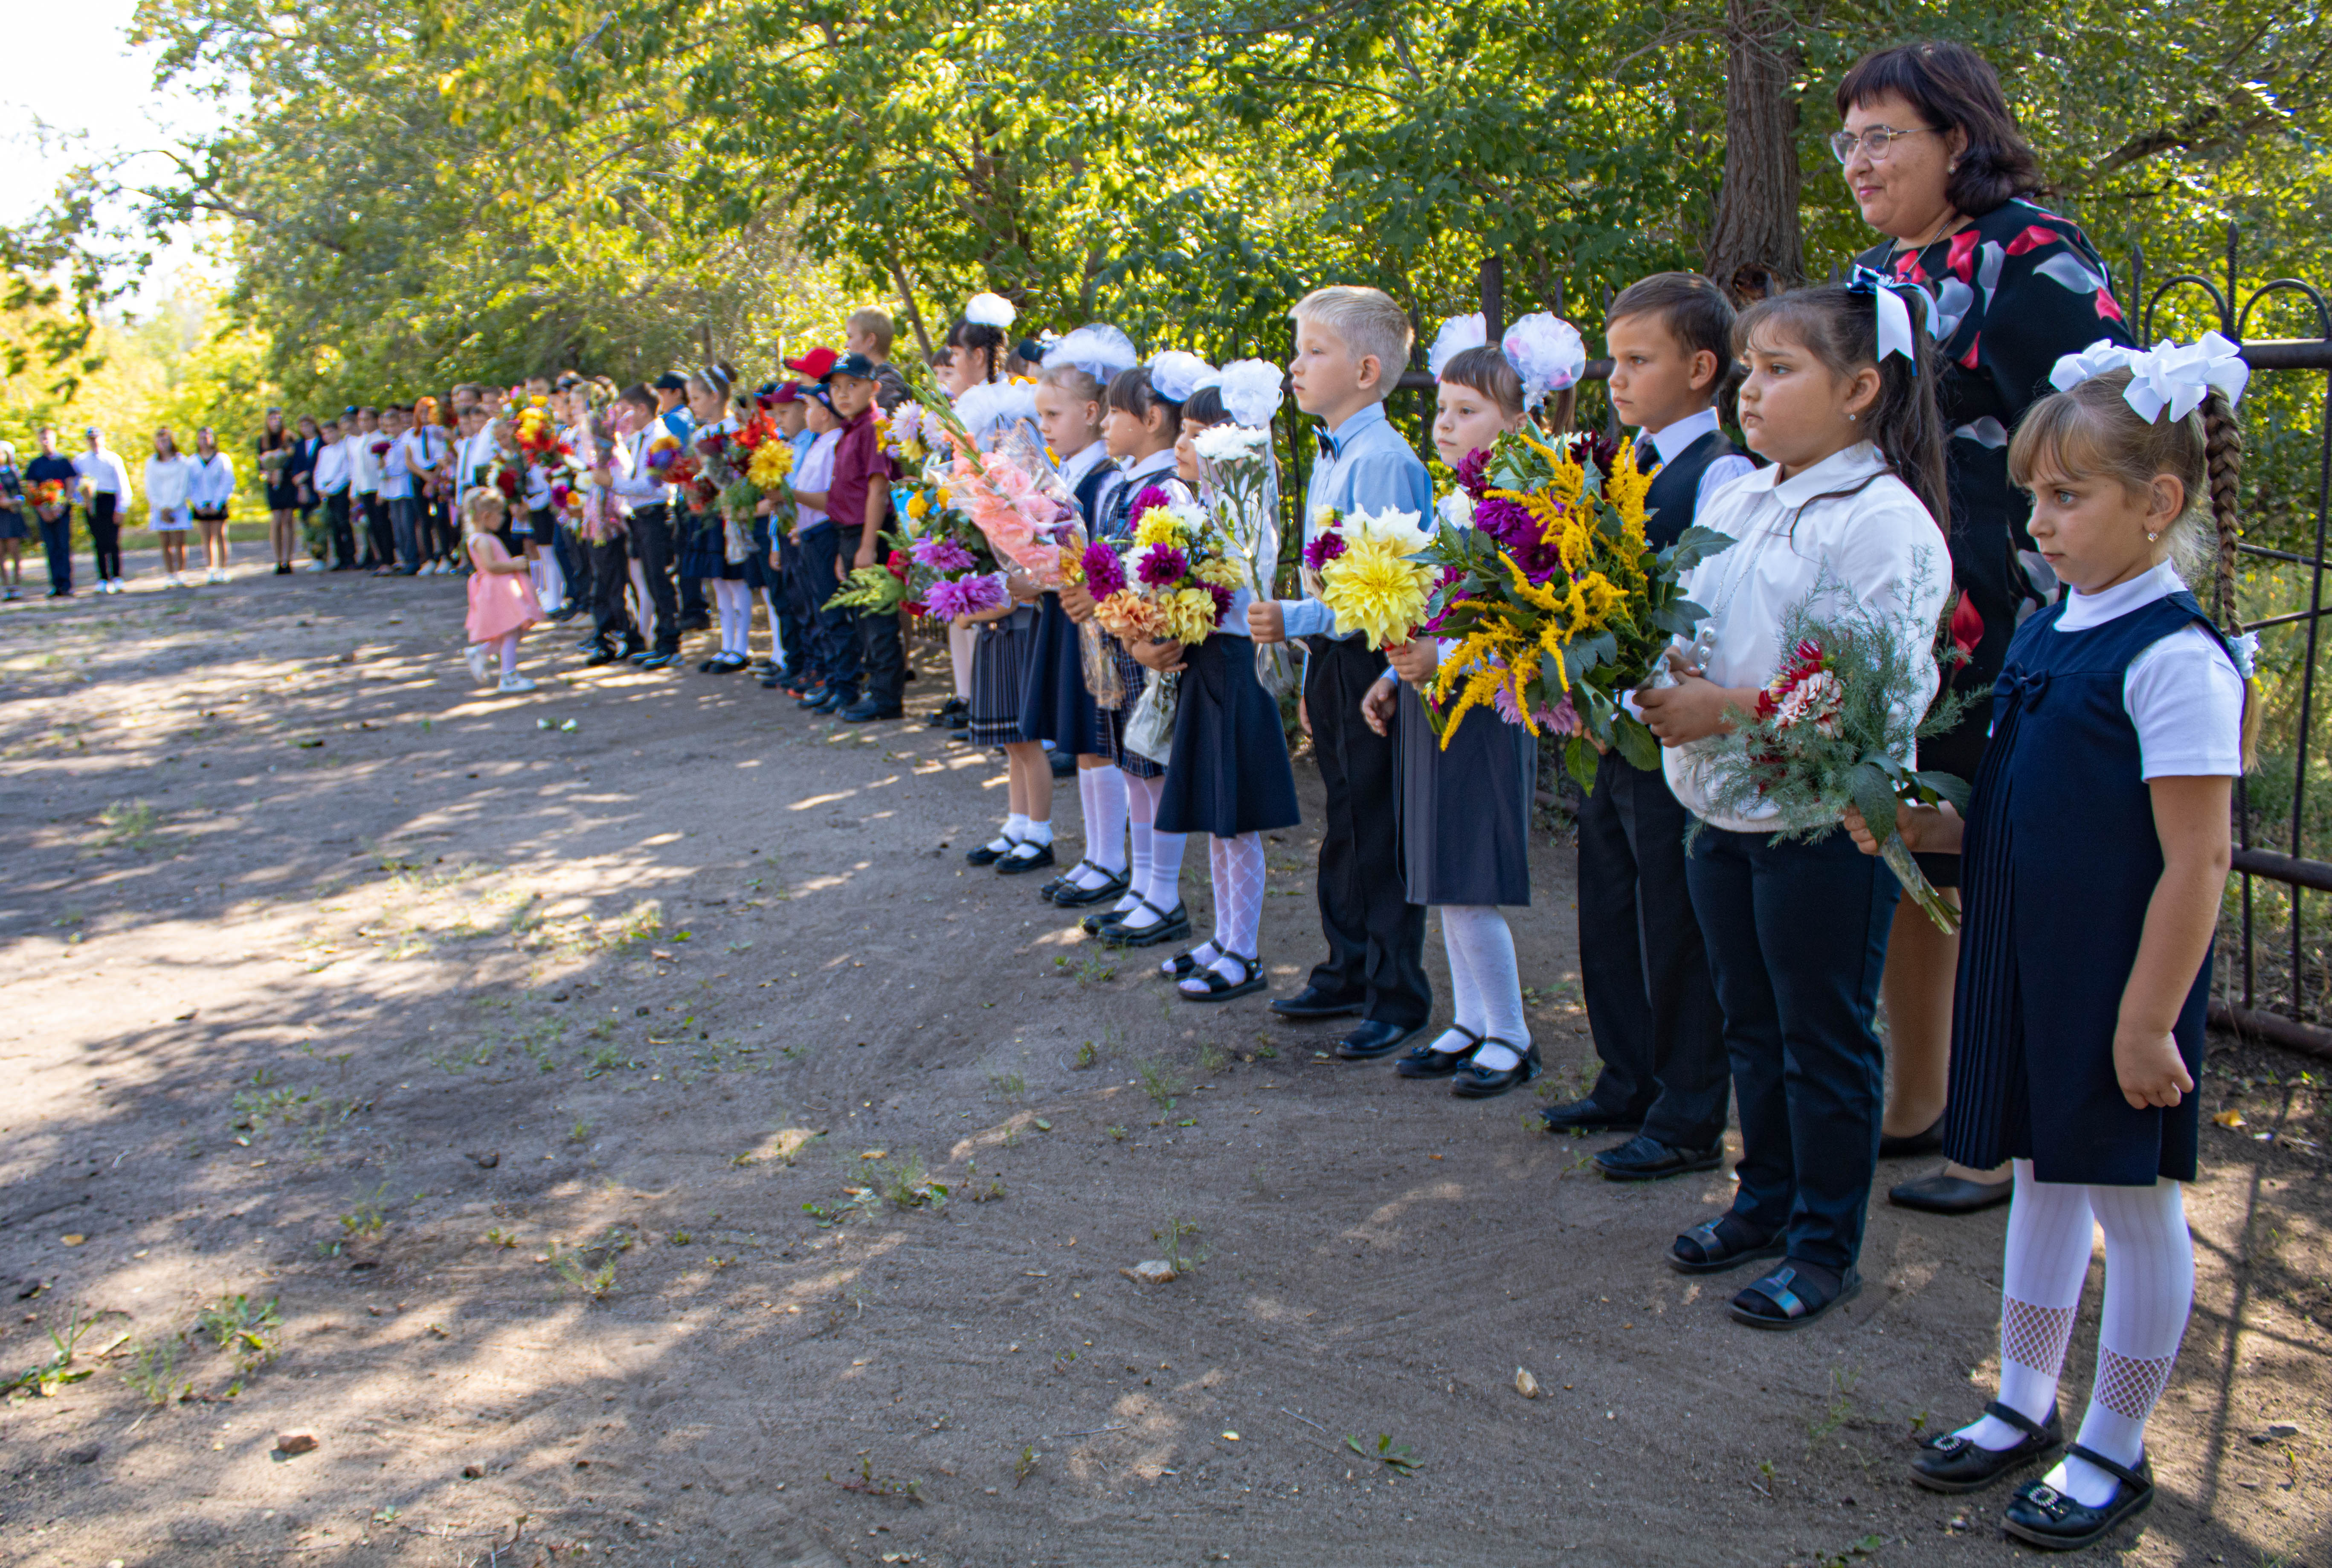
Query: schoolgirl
(706, 551)
(1229, 774)
(1465, 806)
(1141, 425)
(13, 531)
(1851, 509)
(1057, 703)
(210, 489)
(501, 602)
(972, 355)
(2094, 858)
(539, 536)
(790, 655)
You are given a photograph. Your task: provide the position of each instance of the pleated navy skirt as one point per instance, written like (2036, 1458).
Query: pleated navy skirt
(1229, 773)
(1056, 705)
(704, 549)
(999, 677)
(1465, 811)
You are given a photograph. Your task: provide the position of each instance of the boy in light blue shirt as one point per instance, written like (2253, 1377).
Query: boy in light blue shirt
(1350, 344)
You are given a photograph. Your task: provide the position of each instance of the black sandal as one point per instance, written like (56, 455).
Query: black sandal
(1718, 1254)
(1476, 1082)
(1182, 963)
(1220, 990)
(2041, 1515)
(1170, 927)
(1792, 1309)
(1425, 1062)
(1952, 1463)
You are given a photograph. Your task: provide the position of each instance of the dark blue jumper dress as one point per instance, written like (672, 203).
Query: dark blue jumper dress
(1055, 705)
(2060, 860)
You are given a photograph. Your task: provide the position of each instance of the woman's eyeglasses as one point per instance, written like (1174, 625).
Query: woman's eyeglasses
(1876, 142)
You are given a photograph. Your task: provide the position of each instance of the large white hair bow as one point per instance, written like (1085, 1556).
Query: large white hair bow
(1895, 335)
(1097, 348)
(1547, 352)
(990, 311)
(1174, 375)
(1457, 334)
(2176, 377)
(1251, 392)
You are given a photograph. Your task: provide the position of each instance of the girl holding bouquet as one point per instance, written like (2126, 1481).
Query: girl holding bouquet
(2094, 855)
(1466, 801)
(1841, 398)
(1229, 774)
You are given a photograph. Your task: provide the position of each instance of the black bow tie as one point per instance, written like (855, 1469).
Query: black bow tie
(1329, 448)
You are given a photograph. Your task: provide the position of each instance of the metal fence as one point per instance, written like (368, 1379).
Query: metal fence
(2277, 1008)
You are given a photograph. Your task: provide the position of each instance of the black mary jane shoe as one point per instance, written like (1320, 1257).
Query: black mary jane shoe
(1220, 990)
(1952, 1463)
(948, 710)
(1706, 1248)
(1024, 858)
(1476, 1082)
(2041, 1515)
(1425, 1062)
(1182, 963)
(1067, 895)
(1891, 1147)
(987, 855)
(1172, 925)
(1790, 1299)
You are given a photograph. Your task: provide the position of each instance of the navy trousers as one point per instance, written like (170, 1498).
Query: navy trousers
(1797, 937)
(823, 569)
(56, 543)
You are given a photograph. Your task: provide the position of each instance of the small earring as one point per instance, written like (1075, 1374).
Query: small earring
(1851, 418)
(2151, 536)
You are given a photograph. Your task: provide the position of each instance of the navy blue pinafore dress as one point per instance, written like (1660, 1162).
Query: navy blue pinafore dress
(1055, 704)
(2060, 860)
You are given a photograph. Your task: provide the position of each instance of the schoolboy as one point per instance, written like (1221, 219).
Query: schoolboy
(790, 409)
(1350, 344)
(396, 488)
(859, 501)
(1650, 1002)
(869, 332)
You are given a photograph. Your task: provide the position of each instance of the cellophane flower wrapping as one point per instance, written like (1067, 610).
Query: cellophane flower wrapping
(1554, 603)
(1015, 497)
(1239, 478)
(1371, 572)
(1830, 730)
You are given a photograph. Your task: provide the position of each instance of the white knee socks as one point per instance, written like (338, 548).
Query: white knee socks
(1101, 794)
(2149, 1291)
(1486, 983)
(1157, 856)
(735, 603)
(1237, 868)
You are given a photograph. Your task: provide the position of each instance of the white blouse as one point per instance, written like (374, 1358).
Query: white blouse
(2182, 693)
(165, 484)
(210, 485)
(1877, 548)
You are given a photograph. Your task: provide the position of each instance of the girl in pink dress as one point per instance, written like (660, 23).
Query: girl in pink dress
(501, 598)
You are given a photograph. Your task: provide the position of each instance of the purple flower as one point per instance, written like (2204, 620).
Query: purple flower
(1150, 495)
(1163, 565)
(1509, 523)
(1222, 597)
(964, 597)
(941, 554)
(1104, 573)
(1473, 473)
(1323, 549)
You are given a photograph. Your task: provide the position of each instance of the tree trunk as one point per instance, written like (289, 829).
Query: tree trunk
(1755, 247)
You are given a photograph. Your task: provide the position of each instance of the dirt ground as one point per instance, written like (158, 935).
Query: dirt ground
(578, 1075)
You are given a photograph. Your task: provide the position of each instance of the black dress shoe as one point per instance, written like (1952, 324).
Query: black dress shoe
(1371, 1039)
(1172, 925)
(814, 696)
(1476, 1082)
(949, 711)
(1311, 1003)
(600, 657)
(865, 711)
(1587, 1116)
(1950, 1462)
(1646, 1159)
(1026, 858)
(2041, 1515)
(1942, 1194)
(833, 702)
(986, 855)
(1067, 895)
(1891, 1147)
(1425, 1062)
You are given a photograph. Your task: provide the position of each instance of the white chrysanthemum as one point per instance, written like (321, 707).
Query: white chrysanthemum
(1231, 442)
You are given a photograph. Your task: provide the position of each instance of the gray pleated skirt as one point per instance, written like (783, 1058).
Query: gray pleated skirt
(1466, 811)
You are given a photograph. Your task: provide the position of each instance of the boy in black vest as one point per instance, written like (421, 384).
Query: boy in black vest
(1649, 998)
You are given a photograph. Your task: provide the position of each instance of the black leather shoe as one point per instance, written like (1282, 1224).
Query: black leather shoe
(657, 661)
(1172, 925)
(2041, 1515)
(1476, 1082)
(1024, 858)
(1311, 1003)
(1903, 1148)
(949, 711)
(1942, 1194)
(599, 657)
(813, 697)
(1425, 1062)
(1950, 1462)
(1067, 895)
(984, 855)
(1793, 1296)
(835, 701)
(1645, 1159)
(1372, 1038)
(1587, 1116)
(865, 711)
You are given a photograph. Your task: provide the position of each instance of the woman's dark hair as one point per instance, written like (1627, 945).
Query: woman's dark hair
(981, 339)
(1956, 88)
(1839, 325)
(1205, 407)
(1129, 392)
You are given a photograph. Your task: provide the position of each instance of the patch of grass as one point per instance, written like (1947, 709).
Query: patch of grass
(868, 1482)
(1007, 1086)
(1840, 1409)
(1161, 1084)
(1171, 1237)
(367, 1217)
(580, 1133)
(1090, 966)
(43, 1378)
(1212, 1058)
(1025, 1466)
(905, 1184)
(1087, 1056)
(643, 921)
(499, 1237)
(245, 1329)
(129, 825)
(596, 1284)
(1400, 1459)
(153, 1370)
(1116, 1133)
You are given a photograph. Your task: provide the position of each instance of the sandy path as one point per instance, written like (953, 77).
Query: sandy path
(394, 1007)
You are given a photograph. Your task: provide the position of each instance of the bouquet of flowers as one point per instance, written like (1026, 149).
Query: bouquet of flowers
(1174, 584)
(1235, 473)
(1012, 494)
(881, 590)
(271, 462)
(773, 463)
(900, 431)
(47, 492)
(1367, 566)
(536, 435)
(1557, 603)
(1829, 730)
(714, 455)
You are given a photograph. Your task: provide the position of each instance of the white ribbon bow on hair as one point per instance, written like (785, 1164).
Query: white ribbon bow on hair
(1895, 336)
(2176, 377)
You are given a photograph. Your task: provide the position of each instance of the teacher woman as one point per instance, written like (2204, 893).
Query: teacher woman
(1935, 162)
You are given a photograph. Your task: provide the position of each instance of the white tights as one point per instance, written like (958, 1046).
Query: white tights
(1236, 865)
(2149, 1291)
(1101, 794)
(734, 601)
(1487, 986)
(1157, 856)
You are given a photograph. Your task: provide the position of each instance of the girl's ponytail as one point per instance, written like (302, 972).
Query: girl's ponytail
(2222, 467)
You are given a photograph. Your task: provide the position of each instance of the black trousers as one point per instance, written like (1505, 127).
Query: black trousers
(105, 534)
(1643, 965)
(56, 544)
(611, 575)
(1376, 937)
(823, 570)
(380, 535)
(797, 613)
(344, 539)
(651, 538)
(882, 659)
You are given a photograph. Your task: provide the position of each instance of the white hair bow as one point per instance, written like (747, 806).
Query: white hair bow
(1174, 375)
(1457, 334)
(991, 311)
(2176, 377)
(1895, 335)
(1097, 348)
(1251, 392)
(1547, 352)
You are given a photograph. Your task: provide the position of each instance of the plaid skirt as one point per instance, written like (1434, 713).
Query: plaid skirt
(1134, 675)
(999, 678)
